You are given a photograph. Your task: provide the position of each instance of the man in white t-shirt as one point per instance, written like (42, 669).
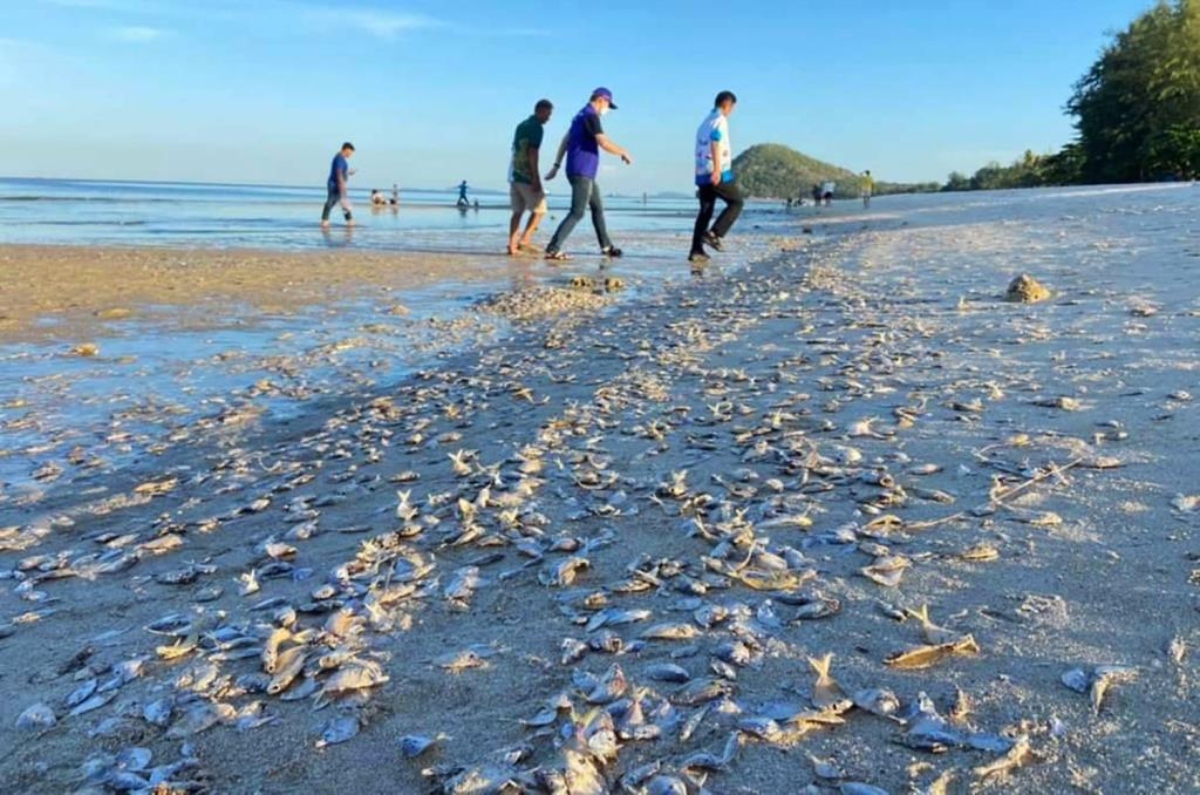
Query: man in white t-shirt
(715, 178)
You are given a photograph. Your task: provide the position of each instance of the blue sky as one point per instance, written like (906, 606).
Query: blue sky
(265, 90)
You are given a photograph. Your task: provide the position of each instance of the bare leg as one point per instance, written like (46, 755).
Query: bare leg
(514, 230)
(535, 220)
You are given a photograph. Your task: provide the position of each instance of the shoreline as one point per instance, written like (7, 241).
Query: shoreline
(679, 443)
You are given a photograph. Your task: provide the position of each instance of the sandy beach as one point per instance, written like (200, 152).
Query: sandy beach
(64, 293)
(607, 548)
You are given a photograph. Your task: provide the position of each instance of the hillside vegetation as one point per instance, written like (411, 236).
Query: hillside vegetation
(774, 171)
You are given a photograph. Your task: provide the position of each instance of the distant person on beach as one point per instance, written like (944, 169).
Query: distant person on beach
(462, 194)
(816, 194)
(525, 190)
(377, 198)
(395, 202)
(868, 188)
(715, 179)
(581, 146)
(337, 185)
(827, 192)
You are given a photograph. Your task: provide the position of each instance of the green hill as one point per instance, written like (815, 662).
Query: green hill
(774, 171)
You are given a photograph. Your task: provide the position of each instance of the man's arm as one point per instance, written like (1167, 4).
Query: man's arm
(608, 145)
(558, 159)
(716, 158)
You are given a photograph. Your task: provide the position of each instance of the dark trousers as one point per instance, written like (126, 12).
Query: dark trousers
(728, 192)
(585, 193)
(332, 200)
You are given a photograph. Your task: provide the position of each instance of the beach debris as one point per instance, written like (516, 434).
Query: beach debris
(338, 730)
(1189, 503)
(85, 349)
(414, 745)
(1026, 290)
(1020, 755)
(930, 655)
(36, 717)
(887, 571)
(827, 694)
(1097, 683)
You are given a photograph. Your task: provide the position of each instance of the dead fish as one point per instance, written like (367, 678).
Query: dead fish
(827, 694)
(36, 717)
(701, 691)
(355, 675)
(248, 583)
(668, 672)
(814, 607)
(1176, 650)
(878, 701)
(761, 728)
(607, 688)
(615, 617)
(457, 661)
(563, 573)
(463, 584)
(1104, 677)
(709, 616)
(298, 692)
(1020, 755)
(200, 717)
(413, 745)
(81, 693)
(933, 634)
(288, 667)
(338, 730)
(270, 649)
(926, 656)
(888, 571)
(676, 631)
(95, 702)
(710, 762)
(158, 712)
(980, 553)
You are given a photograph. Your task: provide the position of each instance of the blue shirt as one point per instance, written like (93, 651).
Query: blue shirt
(340, 166)
(583, 152)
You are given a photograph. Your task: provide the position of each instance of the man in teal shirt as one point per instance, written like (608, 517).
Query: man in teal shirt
(525, 183)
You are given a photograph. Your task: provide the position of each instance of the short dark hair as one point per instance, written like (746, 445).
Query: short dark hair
(348, 145)
(723, 97)
(543, 104)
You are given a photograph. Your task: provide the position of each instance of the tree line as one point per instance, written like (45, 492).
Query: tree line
(1137, 112)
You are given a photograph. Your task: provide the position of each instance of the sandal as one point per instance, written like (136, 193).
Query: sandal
(612, 251)
(557, 256)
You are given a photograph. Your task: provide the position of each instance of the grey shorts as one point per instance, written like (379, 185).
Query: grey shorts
(525, 199)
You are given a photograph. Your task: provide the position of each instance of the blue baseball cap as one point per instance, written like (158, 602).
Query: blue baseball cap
(606, 94)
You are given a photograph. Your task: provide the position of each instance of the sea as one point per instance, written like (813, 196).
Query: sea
(86, 212)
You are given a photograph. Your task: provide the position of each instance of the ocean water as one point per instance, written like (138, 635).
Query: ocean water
(279, 217)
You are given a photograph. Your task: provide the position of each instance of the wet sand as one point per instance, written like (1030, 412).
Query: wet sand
(69, 293)
(774, 464)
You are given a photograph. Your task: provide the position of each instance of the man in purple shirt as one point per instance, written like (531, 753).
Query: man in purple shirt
(581, 146)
